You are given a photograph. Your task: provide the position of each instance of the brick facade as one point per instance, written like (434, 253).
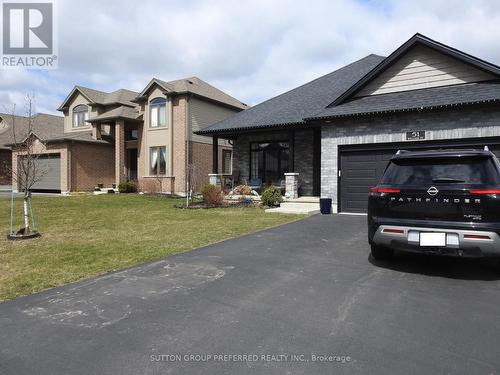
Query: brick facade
(119, 161)
(201, 158)
(179, 121)
(465, 122)
(91, 164)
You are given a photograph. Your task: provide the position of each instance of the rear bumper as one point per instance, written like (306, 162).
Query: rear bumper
(407, 238)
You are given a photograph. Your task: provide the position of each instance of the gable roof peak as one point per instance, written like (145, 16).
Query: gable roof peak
(421, 39)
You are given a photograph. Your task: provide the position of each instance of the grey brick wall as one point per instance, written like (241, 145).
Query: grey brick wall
(304, 140)
(466, 122)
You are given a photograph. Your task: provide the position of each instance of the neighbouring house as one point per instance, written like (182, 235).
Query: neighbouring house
(334, 135)
(47, 128)
(148, 137)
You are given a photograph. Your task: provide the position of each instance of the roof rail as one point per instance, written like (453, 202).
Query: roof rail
(486, 148)
(401, 151)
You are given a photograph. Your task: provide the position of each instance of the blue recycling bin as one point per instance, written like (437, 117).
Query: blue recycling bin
(325, 206)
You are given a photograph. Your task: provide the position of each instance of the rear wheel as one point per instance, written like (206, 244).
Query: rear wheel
(381, 253)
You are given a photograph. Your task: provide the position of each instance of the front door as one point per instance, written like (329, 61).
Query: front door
(132, 164)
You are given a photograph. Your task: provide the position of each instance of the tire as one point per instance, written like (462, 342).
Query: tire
(497, 265)
(381, 253)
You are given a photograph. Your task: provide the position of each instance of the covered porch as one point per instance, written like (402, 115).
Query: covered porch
(126, 135)
(289, 159)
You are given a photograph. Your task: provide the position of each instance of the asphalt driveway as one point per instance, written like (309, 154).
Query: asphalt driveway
(271, 302)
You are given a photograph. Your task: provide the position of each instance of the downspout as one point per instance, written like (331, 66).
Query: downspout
(69, 176)
(187, 157)
(171, 172)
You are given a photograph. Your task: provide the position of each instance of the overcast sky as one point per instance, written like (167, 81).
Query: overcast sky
(253, 50)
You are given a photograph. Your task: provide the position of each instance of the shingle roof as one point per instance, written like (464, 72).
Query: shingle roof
(304, 101)
(199, 87)
(121, 112)
(121, 96)
(48, 128)
(45, 126)
(437, 97)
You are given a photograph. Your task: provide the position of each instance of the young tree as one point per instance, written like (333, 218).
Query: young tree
(27, 171)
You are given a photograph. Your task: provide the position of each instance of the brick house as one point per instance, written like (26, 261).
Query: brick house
(46, 127)
(148, 137)
(334, 135)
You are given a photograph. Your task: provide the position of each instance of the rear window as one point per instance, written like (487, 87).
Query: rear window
(433, 171)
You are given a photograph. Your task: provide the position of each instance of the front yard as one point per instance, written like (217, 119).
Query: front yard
(84, 236)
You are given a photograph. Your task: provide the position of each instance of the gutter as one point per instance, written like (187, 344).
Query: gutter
(401, 110)
(250, 128)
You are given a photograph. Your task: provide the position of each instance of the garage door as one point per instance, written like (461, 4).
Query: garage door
(50, 165)
(362, 169)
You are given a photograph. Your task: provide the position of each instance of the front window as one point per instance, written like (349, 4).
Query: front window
(158, 161)
(158, 113)
(269, 161)
(132, 135)
(80, 114)
(226, 161)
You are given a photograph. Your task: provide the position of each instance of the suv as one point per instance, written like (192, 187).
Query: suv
(444, 202)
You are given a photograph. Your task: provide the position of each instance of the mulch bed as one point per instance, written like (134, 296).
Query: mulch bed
(200, 206)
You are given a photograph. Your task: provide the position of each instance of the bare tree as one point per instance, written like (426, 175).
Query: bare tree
(191, 184)
(27, 171)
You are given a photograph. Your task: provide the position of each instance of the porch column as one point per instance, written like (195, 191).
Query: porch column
(119, 152)
(215, 154)
(96, 130)
(292, 185)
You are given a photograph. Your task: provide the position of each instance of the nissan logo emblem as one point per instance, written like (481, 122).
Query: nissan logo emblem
(432, 191)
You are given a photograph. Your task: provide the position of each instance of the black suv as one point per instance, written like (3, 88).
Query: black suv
(444, 202)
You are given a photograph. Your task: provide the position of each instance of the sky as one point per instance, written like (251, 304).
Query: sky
(252, 49)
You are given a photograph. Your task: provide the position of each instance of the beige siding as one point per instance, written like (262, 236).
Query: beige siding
(152, 137)
(68, 114)
(203, 114)
(422, 67)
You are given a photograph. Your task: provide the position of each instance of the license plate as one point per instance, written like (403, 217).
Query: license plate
(432, 239)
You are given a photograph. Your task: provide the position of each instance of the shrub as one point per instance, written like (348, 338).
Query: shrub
(212, 195)
(271, 197)
(242, 190)
(127, 187)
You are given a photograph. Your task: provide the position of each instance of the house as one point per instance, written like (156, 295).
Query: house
(334, 135)
(15, 128)
(148, 137)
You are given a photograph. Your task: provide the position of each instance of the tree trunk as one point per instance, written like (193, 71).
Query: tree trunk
(26, 213)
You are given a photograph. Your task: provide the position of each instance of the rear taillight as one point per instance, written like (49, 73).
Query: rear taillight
(389, 230)
(484, 191)
(477, 237)
(384, 190)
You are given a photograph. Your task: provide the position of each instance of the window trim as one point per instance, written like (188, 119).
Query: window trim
(225, 151)
(81, 110)
(160, 102)
(150, 168)
(260, 150)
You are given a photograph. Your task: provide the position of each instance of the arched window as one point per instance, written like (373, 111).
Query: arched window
(158, 112)
(80, 114)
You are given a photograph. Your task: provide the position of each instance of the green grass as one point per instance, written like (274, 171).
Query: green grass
(84, 236)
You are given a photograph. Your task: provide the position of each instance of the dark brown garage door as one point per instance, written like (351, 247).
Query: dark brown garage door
(363, 168)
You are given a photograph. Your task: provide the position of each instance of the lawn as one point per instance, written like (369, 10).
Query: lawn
(84, 236)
